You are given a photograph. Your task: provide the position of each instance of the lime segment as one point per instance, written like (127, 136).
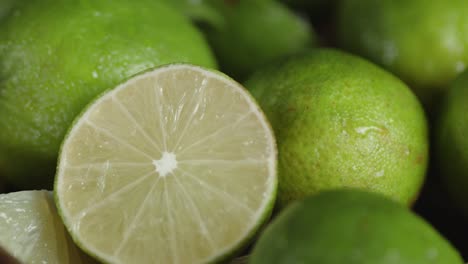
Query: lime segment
(31, 230)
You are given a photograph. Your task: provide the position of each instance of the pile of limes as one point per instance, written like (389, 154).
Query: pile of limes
(246, 131)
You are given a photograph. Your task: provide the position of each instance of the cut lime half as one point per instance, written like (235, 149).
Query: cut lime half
(176, 165)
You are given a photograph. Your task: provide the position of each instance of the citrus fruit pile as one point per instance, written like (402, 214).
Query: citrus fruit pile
(248, 131)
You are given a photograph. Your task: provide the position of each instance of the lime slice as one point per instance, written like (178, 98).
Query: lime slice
(31, 230)
(176, 165)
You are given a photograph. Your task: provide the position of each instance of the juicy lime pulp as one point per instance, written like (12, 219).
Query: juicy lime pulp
(177, 165)
(31, 230)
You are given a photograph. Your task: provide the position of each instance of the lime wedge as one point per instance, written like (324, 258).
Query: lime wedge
(31, 230)
(176, 165)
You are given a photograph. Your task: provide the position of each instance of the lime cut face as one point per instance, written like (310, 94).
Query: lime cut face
(31, 230)
(176, 165)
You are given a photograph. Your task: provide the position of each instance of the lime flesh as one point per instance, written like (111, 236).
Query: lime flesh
(32, 231)
(177, 165)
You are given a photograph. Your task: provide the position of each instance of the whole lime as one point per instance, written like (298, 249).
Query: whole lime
(352, 227)
(56, 55)
(255, 33)
(341, 121)
(423, 42)
(452, 141)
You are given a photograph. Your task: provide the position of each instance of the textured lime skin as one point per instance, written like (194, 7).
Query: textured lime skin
(352, 227)
(423, 42)
(452, 141)
(56, 55)
(255, 33)
(341, 121)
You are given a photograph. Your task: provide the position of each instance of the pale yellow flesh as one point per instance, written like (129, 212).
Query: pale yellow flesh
(31, 230)
(177, 165)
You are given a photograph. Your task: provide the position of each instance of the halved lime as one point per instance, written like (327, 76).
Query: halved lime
(176, 165)
(31, 230)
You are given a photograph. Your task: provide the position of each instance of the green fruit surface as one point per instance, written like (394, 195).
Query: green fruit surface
(352, 227)
(254, 33)
(452, 141)
(200, 11)
(423, 42)
(341, 121)
(5, 7)
(57, 55)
